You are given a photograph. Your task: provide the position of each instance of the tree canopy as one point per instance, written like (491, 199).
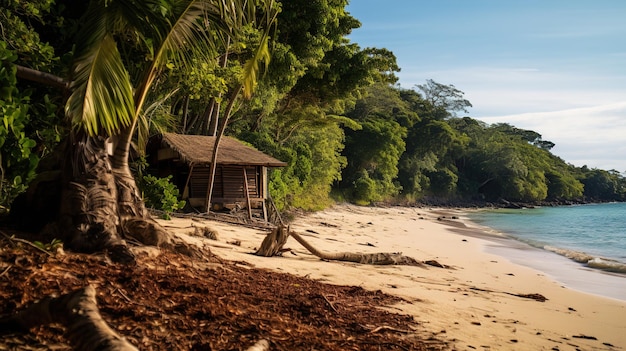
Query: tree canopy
(325, 105)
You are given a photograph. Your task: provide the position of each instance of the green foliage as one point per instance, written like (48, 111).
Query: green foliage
(364, 191)
(373, 152)
(602, 185)
(29, 128)
(315, 162)
(443, 182)
(52, 246)
(325, 106)
(161, 194)
(17, 19)
(297, 113)
(446, 97)
(428, 167)
(17, 159)
(502, 161)
(562, 182)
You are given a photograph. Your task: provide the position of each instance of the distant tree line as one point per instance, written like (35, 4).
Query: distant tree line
(326, 106)
(437, 156)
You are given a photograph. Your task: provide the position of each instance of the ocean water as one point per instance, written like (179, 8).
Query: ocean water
(593, 235)
(592, 238)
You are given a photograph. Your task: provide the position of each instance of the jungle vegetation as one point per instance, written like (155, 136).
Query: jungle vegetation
(280, 75)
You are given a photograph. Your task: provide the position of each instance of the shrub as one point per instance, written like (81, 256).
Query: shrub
(161, 194)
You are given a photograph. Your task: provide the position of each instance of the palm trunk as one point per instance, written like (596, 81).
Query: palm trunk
(214, 117)
(218, 138)
(88, 215)
(135, 220)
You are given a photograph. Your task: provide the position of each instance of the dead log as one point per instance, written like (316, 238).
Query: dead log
(381, 258)
(78, 312)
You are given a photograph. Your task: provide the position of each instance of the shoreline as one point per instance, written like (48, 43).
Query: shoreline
(567, 270)
(477, 303)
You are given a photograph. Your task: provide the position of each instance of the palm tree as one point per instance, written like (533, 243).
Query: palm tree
(100, 201)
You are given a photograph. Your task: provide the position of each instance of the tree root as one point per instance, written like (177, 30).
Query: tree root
(274, 242)
(78, 312)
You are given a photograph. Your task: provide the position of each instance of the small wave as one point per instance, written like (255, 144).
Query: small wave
(590, 261)
(607, 265)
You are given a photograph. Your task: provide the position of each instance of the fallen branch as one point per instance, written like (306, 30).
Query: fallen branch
(329, 303)
(13, 238)
(386, 327)
(78, 312)
(5, 271)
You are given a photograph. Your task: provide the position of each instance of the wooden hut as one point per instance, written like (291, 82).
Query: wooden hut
(241, 173)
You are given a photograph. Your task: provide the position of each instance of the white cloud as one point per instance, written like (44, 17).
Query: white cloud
(509, 90)
(593, 136)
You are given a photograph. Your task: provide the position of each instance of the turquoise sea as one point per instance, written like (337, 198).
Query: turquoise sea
(591, 237)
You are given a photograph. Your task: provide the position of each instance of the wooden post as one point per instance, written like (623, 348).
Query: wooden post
(247, 191)
(264, 210)
(186, 189)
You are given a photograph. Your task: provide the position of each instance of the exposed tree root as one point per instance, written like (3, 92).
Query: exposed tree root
(274, 242)
(78, 312)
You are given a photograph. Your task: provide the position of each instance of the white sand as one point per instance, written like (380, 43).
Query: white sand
(472, 305)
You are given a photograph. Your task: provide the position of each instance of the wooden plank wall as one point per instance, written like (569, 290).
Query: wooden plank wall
(228, 182)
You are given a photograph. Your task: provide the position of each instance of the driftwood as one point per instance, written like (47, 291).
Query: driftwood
(274, 242)
(380, 258)
(78, 312)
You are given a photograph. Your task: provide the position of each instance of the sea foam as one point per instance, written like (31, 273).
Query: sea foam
(590, 261)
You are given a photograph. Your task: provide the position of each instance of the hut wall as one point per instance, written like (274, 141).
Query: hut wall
(228, 187)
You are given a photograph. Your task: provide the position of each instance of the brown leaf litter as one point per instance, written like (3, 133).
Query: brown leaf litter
(172, 302)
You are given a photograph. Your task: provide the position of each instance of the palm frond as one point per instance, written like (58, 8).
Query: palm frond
(102, 97)
(183, 37)
(154, 119)
(262, 51)
(251, 68)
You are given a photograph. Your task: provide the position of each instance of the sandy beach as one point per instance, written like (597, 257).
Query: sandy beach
(480, 301)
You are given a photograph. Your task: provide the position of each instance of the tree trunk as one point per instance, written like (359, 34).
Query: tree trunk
(135, 220)
(88, 217)
(99, 203)
(218, 138)
(42, 77)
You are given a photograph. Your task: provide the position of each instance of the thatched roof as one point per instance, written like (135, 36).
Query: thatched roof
(198, 149)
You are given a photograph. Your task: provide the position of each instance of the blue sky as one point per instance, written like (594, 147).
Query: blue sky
(557, 67)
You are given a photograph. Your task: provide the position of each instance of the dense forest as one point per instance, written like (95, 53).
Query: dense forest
(283, 77)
